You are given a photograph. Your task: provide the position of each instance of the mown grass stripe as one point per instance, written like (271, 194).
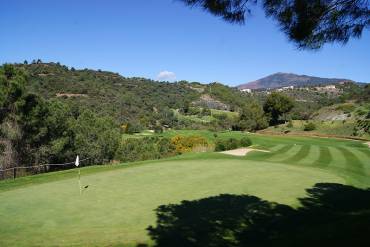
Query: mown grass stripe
(277, 147)
(353, 163)
(311, 157)
(363, 157)
(285, 152)
(280, 148)
(301, 154)
(338, 159)
(325, 157)
(365, 151)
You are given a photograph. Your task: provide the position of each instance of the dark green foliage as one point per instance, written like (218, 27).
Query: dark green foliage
(363, 126)
(136, 101)
(105, 93)
(158, 129)
(232, 97)
(223, 121)
(354, 92)
(309, 24)
(252, 118)
(346, 108)
(12, 83)
(309, 127)
(245, 142)
(277, 104)
(95, 137)
(205, 112)
(40, 131)
(147, 148)
(133, 127)
(231, 143)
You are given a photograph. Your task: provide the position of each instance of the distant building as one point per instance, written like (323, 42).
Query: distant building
(327, 88)
(330, 87)
(285, 88)
(246, 90)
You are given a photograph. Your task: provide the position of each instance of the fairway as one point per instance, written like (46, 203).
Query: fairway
(118, 205)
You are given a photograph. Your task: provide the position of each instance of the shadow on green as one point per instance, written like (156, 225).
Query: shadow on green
(330, 215)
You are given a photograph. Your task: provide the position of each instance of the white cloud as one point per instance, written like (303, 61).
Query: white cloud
(166, 76)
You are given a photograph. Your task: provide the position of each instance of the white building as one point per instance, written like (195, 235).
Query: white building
(246, 90)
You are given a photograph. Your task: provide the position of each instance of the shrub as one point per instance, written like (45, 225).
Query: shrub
(220, 145)
(346, 108)
(245, 142)
(136, 149)
(290, 124)
(158, 129)
(231, 143)
(309, 127)
(133, 127)
(185, 144)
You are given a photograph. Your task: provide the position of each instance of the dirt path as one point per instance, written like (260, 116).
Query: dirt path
(241, 151)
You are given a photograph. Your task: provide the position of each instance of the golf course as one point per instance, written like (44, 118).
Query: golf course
(119, 201)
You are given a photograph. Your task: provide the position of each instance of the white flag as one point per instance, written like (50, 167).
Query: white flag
(77, 163)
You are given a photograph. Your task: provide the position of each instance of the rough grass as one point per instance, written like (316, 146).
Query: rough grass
(334, 128)
(47, 210)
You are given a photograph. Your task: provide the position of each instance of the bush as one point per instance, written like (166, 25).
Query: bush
(185, 144)
(220, 146)
(231, 143)
(158, 129)
(133, 127)
(136, 149)
(245, 142)
(346, 108)
(309, 127)
(290, 124)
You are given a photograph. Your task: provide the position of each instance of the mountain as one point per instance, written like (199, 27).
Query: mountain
(288, 79)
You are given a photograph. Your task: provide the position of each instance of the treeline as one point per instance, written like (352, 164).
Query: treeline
(37, 131)
(141, 101)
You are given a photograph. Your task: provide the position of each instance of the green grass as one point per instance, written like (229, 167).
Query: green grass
(47, 210)
(338, 128)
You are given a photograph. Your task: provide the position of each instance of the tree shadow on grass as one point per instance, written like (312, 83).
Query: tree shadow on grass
(331, 215)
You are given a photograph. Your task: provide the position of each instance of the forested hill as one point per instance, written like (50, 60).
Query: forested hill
(107, 92)
(124, 98)
(288, 79)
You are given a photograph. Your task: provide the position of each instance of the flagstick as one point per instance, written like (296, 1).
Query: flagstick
(77, 163)
(79, 180)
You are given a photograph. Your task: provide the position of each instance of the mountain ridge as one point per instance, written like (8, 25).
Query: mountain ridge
(281, 79)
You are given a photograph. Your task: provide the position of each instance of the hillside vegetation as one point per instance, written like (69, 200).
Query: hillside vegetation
(49, 113)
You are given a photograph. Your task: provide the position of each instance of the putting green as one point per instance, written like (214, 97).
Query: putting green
(118, 205)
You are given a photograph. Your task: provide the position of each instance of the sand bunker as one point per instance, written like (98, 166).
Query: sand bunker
(241, 151)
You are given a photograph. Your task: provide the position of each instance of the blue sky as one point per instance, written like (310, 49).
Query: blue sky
(144, 38)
